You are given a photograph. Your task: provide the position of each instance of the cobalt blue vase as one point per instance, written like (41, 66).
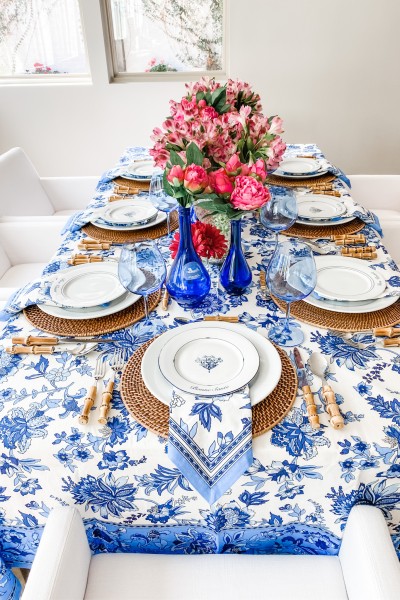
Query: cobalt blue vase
(235, 275)
(188, 282)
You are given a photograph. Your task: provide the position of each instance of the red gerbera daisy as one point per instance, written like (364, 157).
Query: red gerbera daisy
(208, 241)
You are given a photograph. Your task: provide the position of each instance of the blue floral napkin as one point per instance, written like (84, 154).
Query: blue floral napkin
(35, 292)
(210, 439)
(367, 216)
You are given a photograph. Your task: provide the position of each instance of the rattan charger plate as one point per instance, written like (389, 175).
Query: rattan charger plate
(85, 327)
(134, 186)
(313, 315)
(154, 415)
(309, 232)
(310, 182)
(124, 237)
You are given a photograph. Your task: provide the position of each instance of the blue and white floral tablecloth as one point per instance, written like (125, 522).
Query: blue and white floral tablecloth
(296, 496)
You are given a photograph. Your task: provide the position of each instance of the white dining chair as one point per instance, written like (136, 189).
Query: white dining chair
(23, 193)
(24, 253)
(379, 193)
(63, 569)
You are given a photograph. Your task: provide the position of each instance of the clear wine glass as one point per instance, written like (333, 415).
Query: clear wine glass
(159, 198)
(142, 270)
(280, 212)
(291, 276)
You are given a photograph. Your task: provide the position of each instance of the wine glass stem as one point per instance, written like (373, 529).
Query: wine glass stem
(168, 225)
(276, 239)
(287, 318)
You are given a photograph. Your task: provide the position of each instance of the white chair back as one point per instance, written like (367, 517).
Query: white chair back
(376, 191)
(21, 192)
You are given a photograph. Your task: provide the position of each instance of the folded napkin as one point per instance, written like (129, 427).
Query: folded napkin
(35, 292)
(210, 439)
(365, 215)
(294, 150)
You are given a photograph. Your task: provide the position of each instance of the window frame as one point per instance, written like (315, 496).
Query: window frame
(29, 79)
(116, 77)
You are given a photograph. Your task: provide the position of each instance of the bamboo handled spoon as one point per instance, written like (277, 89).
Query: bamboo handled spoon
(319, 366)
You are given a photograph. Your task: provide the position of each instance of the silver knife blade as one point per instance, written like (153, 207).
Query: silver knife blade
(86, 339)
(301, 371)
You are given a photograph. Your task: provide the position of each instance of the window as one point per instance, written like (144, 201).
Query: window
(41, 38)
(153, 36)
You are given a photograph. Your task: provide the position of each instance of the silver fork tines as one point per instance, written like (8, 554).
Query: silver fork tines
(117, 362)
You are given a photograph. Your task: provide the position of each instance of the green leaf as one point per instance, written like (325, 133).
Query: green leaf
(176, 159)
(199, 96)
(218, 96)
(194, 155)
(167, 186)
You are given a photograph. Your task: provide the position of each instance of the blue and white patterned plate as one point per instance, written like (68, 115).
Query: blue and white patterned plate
(209, 362)
(261, 385)
(141, 170)
(297, 167)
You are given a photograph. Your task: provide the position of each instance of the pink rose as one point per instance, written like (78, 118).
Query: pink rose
(258, 170)
(249, 193)
(235, 167)
(195, 179)
(175, 176)
(220, 182)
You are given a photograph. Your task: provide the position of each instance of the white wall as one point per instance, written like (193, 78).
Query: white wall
(330, 69)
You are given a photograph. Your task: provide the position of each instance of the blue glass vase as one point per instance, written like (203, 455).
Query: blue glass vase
(188, 282)
(235, 273)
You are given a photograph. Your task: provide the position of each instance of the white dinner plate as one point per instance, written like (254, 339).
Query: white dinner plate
(318, 207)
(160, 218)
(300, 168)
(364, 306)
(95, 312)
(264, 382)
(338, 221)
(87, 285)
(140, 170)
(350, 279)
(127, 212)
(214, 361)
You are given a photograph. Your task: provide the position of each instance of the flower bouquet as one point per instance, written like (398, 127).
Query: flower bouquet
(216, 148)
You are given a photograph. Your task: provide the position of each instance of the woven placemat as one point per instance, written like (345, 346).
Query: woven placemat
(134, 186)
(123, 237)
(84, 327)
(307, 231)
(313, 315)
(311, 182)
(154, 415)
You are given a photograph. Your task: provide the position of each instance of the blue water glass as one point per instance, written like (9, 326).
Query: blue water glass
(235, 275)
(188, 280)
(142, 270)
(291, 276)
(160, 199)
(280, 212)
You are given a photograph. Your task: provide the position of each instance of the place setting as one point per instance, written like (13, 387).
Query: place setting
(94, 298)
(302, 170)
(349, 295)
(208, 360)
(125, 221)
(320, 215)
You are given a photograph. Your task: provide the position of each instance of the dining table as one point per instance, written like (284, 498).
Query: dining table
(295, 496)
